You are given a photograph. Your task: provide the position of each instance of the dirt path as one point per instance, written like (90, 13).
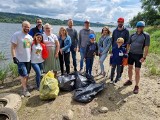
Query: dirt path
(120, 101)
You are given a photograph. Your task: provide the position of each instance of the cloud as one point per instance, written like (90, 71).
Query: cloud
(96, 10)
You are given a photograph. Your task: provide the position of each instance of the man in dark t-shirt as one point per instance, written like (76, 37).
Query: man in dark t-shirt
(137, 46)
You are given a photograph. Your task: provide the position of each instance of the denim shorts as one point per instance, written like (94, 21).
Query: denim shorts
(24, 68)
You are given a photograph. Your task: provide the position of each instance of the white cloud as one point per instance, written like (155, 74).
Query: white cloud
(96, 10)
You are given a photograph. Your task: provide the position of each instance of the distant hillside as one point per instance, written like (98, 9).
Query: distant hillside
(18, 18)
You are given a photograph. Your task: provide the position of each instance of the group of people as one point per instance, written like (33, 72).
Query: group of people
(44, 51)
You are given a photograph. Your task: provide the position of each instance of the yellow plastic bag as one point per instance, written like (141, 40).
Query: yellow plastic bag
(49, 87)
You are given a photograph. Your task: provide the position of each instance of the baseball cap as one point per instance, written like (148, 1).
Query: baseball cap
(86, 21)
(120, 19)
(91, 36)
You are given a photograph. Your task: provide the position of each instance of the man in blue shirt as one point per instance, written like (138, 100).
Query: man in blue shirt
(37, 29)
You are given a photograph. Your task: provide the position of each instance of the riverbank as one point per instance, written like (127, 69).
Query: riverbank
(122, 104)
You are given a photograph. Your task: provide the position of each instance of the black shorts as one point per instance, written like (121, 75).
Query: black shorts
(135, 58)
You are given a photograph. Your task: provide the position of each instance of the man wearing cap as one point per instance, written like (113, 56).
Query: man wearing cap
(74, 37)
(83, 41)
(37, 29)
(120, 32)
(137, 47)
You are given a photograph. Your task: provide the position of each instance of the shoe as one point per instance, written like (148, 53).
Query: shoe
(26, 93)
(119, 78)
(116, 81)
(128, 83)
(111, 82)
(136, 90)
(75, 69)
(30, 87)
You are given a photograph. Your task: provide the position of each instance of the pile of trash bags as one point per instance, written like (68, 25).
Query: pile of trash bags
(84, 85)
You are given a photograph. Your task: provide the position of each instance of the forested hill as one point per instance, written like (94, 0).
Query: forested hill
(18, 18)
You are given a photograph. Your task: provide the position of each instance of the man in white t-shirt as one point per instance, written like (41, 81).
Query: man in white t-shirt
(21, 53)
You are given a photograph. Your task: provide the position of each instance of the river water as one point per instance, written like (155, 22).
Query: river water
(8, 29)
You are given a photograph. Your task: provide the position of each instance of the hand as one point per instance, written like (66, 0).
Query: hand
(15, 60)
(142, 60)
(61, 51)
(75, 49)
(56, 55)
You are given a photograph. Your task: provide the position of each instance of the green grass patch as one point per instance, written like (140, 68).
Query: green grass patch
(13, 69)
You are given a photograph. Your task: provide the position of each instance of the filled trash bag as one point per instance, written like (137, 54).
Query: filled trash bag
(82, 81)
(87, 94)
(49, 87)
(66, 82)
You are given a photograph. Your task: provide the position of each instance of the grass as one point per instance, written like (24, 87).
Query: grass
(3, 74)
(2, 55)
(13, 69)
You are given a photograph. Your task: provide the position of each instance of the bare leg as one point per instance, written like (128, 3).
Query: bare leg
(130, 72)
(24, 82)
(137, 75)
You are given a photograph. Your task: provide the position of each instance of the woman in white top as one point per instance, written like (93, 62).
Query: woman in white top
(37, 56)
(52, 44)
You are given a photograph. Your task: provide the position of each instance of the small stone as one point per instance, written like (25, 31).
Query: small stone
(103, 110)
(125, 100)
(157, 103)
(22, 96)
(1, 87)
(111, 98)
(69, 115)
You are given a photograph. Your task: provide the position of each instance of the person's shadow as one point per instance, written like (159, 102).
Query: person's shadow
(111, 98)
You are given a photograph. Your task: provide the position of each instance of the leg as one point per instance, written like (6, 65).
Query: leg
(130, 72)
(112, 72)
(102, 59)
(74, 60)
(122, 68)
(61, 63)
(91, 64)
(82, 53)
(87, 65)
(119, 68)
(37, 69)
(67, 62)
(137, 76)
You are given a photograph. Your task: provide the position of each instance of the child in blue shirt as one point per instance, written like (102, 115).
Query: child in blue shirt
(116, 60)
(91, 51)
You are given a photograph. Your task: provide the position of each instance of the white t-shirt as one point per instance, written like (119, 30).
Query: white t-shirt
(50, 40)
(23, 49)
(36, 54)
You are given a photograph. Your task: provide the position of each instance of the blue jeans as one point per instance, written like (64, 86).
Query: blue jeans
(24, 68)
(74, 58)
(38, 67)
(102, 59)
(82, 53)
(119, 67)
(89, 64)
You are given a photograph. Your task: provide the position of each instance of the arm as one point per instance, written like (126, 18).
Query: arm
(57, 48)
(68, 44)
(146, 50)
(126, 39)
(13, 51)
(79, 41)
(76, 38)
(108, 46)
(96, 49)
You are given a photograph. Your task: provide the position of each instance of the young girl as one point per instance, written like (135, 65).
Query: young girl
(104, 44)
(38, 54)
(64, 54)
(116, 61)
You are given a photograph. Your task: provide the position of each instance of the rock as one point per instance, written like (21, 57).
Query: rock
(111, 98)
(69, 115)
(103, 110)
(125, 100)
(157, 102)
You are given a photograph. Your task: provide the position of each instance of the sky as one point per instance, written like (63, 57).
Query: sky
(103, 11)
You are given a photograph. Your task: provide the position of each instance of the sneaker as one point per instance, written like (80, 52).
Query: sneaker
(119, 78)
(26, 93)
(111, 82)
(128, 83)
(136, 90)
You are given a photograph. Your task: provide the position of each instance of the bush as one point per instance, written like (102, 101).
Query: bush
(3, 74)
(13, 69)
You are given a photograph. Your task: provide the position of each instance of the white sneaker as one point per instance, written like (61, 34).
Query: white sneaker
(26, 93)
(111, 82)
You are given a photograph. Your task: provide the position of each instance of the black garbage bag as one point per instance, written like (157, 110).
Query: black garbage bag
(83, 81)
(66, 82)
(87, 94)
